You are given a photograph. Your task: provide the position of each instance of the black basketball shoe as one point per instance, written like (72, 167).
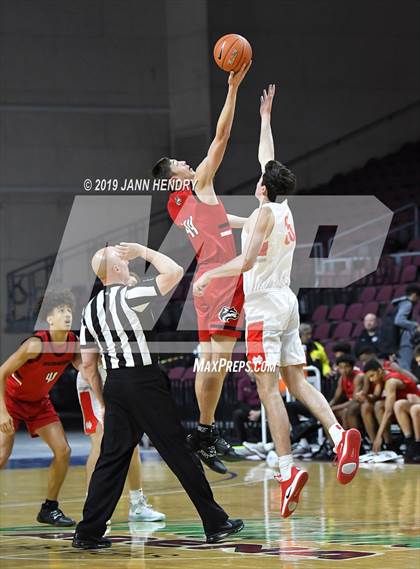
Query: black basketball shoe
(223, 448)
(228, 528)
(54, 518)
(206, 452)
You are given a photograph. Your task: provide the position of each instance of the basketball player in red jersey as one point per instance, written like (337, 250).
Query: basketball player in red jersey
(272, 318)
(390, 386)
(26, 378)
(201, 214)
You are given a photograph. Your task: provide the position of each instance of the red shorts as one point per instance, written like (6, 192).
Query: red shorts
(35, 414)
(220, 309)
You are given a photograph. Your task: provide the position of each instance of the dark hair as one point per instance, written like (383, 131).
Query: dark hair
(278, 180)
(56, 298)
(368, 349)
(372, 365)
(342, 347)
(412, 289)
(162, 168)
(346, 359)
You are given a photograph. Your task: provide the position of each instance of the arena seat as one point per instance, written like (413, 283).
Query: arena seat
(409, 274)
(367, 294)
(358, 329)
(337, 312)
(322, 331)
(414, 245)
(384, 293)
(342, 331)
(354, 311)
(370, 308)
(320, 313)
(176, 373)
(399, 291)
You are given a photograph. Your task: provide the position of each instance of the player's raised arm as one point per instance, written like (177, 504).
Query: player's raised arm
(260, 228)
(266, 146)
(209, 166)
(27, 351)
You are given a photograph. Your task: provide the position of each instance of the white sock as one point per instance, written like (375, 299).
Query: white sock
(136, 495)
(285, 465)
(336, 432)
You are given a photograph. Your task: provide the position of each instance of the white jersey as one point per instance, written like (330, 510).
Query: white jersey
(273, 266)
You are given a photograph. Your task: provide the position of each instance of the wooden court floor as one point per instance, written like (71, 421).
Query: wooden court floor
(373, 522)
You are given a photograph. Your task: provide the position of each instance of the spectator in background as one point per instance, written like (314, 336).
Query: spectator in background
(367, 353)
(249, 405)
(370, 334)
(407, 412)
(407, 328)
(416, 362)
(315, 351)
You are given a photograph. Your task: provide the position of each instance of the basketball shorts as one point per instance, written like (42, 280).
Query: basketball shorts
(35, 414)
(220, 309)
(272, 329)
(88, 404)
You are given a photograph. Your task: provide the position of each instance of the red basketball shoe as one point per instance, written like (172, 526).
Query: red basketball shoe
(290, 490)
(348, 456)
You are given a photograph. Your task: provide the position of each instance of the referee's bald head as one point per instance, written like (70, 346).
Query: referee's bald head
(109, 266)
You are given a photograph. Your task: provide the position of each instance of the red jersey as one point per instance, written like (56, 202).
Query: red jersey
(347, 383)
(410, 385)
(35, 379)
(206, 225)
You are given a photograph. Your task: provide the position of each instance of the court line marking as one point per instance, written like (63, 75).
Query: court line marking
(159, 493)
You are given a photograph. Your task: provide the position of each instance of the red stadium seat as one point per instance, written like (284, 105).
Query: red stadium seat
(189, 374)
(414, 245)
(322, 331)
(320, 313)
(370, 308)
(368, 294)
(409, 274)
(399, 291)
(354, 311)
(176, 372)
(384, 294)
(406, 260)
(337, 312)
(416, 260)
(343, 331)
(358, 329)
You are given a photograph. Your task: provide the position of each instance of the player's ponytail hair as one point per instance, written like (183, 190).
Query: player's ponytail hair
(278, 180)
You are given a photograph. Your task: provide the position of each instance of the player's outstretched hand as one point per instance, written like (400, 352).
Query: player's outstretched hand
(266, 100)
(128, 251)
(235, 79)
(6, 423)
(200, 284)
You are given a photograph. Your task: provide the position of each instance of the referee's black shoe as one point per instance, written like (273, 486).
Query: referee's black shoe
(54, 517)
(80, 542)
(228, 528)
(206, 452)
(224, 449)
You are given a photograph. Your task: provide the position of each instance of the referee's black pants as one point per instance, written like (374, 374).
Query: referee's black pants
(138, 401)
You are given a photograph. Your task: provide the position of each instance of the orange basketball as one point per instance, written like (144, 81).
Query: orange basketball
(231, 52)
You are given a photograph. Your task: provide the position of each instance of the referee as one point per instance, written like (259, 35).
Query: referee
(136, 395)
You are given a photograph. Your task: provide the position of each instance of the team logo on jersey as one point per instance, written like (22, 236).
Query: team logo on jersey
(190, 228)
(178, 201)
(290, 235)
(228, 313)
(257, 360)
(51, 376)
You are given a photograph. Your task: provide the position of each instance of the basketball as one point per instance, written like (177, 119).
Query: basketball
(231, 52)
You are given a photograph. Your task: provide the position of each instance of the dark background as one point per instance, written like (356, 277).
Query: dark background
(103, 88)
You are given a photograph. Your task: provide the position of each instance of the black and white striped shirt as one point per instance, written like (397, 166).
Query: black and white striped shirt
(118, 322)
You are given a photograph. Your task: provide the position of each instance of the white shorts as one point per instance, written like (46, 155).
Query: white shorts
(272, 329)
(88, 404)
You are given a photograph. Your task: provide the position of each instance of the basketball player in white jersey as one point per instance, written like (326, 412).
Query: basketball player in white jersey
(272, 318)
